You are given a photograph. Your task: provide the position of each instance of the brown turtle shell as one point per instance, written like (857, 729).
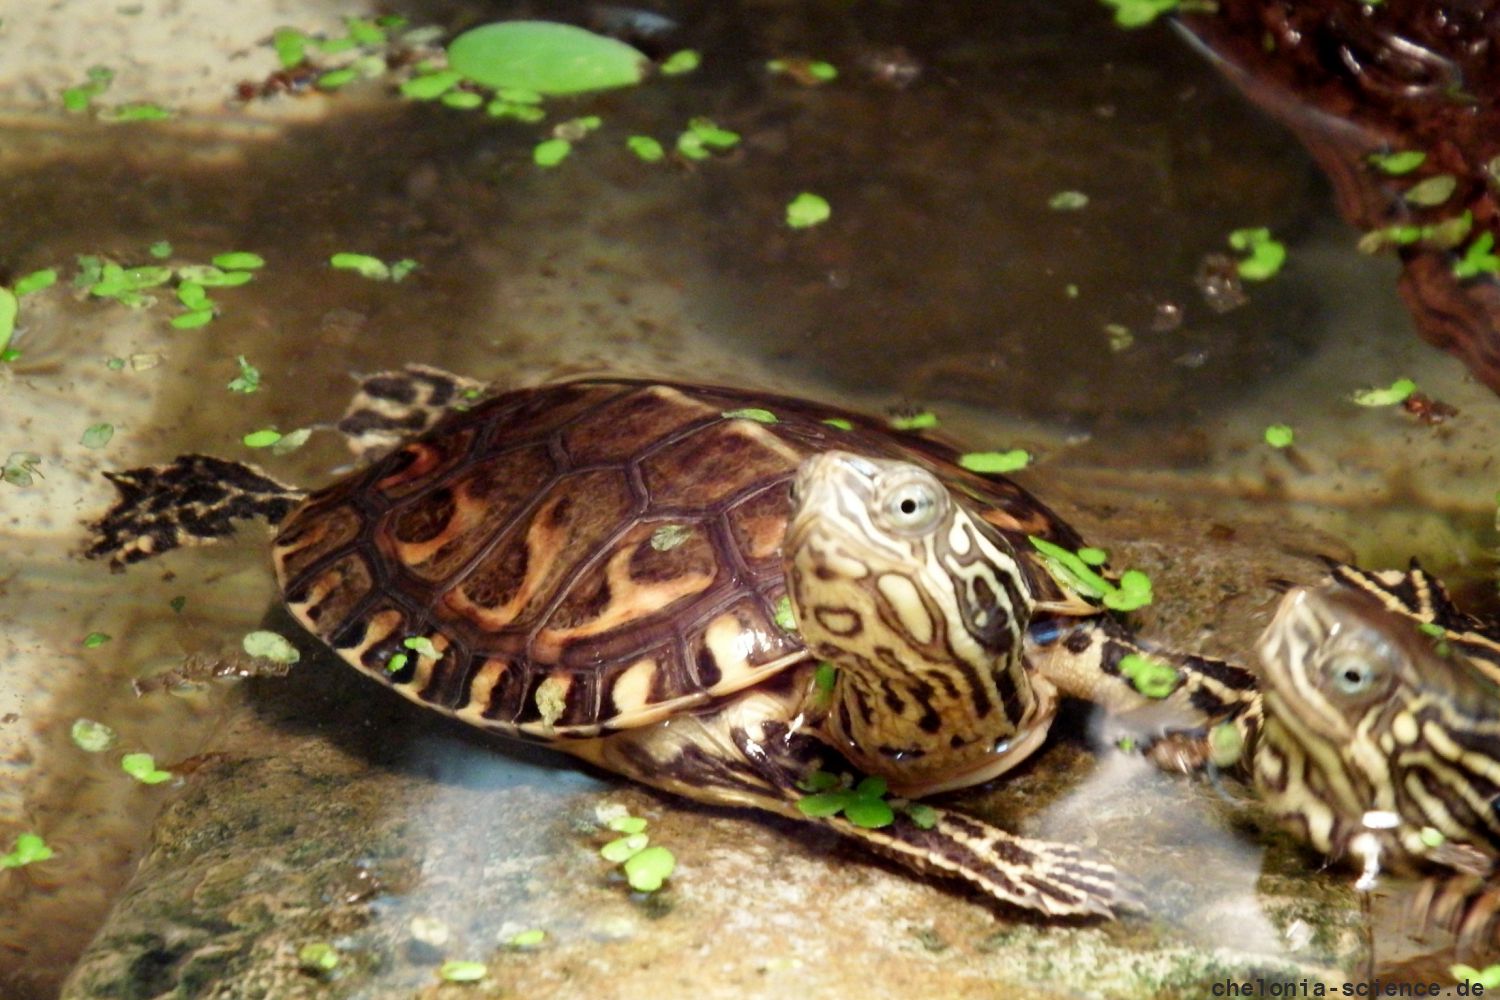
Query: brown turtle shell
(587, 556)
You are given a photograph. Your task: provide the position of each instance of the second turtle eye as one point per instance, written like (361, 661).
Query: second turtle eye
(913, 505)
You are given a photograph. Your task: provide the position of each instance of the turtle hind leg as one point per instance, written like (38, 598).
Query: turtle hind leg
(391, 406)
(728, 759)
(1058, 880)
(192, 500)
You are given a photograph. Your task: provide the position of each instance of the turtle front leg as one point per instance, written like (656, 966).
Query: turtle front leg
(745, 755)
(192, 500)
(1192, 710)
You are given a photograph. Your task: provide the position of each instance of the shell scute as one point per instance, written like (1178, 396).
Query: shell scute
(719, 461)
(624, 428)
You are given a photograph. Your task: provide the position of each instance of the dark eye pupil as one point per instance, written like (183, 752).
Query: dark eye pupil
(1353, 676)
(908, 506)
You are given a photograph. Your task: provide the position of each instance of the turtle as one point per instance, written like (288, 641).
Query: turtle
(1380, 738)
(731, 596)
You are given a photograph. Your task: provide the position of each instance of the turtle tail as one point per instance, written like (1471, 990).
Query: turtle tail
(192, 500)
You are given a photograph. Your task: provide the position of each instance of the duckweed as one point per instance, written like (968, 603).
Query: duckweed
(647, 870)
(545, 57)
(1396, 164)
(263, 438)
(807, 209)
(1279, 436)
(995, 462)
(646, 148)
(97, 435)
(28, 850)
(91, 736)
(1151, 678)
(248, 380)
(1431, 192)
(1396, 392)
(915, 422)
(678, 63)
(1266, 255)
(142, 767)
(551, 152)
(785, 618)
(750, 413)
(95, 639)
(458, 971)
(318, 956)
(271, 646)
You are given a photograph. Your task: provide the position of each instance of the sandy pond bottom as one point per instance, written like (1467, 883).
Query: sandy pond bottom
(317, 808)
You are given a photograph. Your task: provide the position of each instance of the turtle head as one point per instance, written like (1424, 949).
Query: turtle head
(1375, 733)
(922, 606)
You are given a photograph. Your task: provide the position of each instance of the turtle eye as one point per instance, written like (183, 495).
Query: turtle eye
(913, 505)
(1351, 674)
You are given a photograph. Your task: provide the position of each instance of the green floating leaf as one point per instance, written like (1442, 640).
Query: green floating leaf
(825, 677)
(431, 86)
(9, 307)
(826, 803)
(627, 824)
(1433, 191)
(624, 848)
(647, 148)
(544, 57)
(318, 956)
(290, 45)
(1152, 678)
(923, 816)
(362, 264)
(270, 645)
(1478, 258)
(463, 100)
(807, 209)
(786, 620)
(1133, 591)
(95, 639)
(193, 320)
(995, 462)
(92, 736)
(28, 850)
(161, 250)
(669, 536)
(239, 260)
(750, 413)
(1267, 255)
(456, 971)
(1139, 13)
(36, 281)
(1074, 572)
(1396, 392)
(551, 152)
(1279, 436)
(1396, 164)
(20, 467)
(142, 767)
(678, 63)
(139, 112)
(840, 423)
(1093, 557)
(263, 438)
(97, 435)
(422, 646)
(869, 813)
(647, 870)
(395, 664)
(528, 939)
(1068, 201)
(248, 380)
(336, 78)
(915, 422)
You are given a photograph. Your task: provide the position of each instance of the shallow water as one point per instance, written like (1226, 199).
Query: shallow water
(942, 281)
